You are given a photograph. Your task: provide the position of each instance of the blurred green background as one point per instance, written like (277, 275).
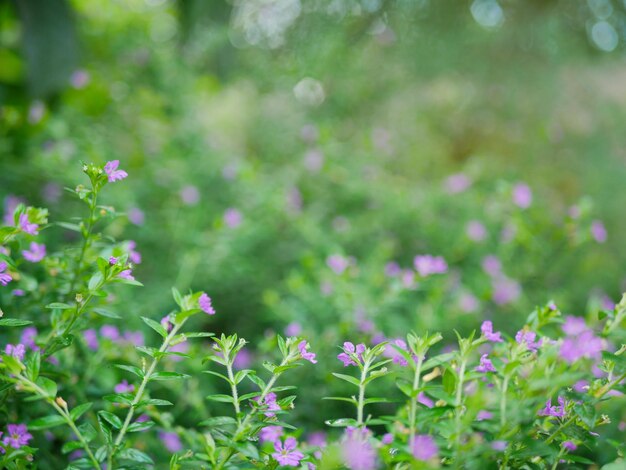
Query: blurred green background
(263, 136)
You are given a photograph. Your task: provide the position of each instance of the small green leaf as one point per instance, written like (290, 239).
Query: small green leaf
(111, 419)
(79, 411)
(348, 378)
(349, 400)
(48, 386)
(14, 322)
(168, 376)
(59, 305)
(46, 422)
(155, 326)
(155, 402)
(140, 426)
(106, 313)
(219, 421)
(135, 456)
(220, 397)
(95, 282)
(132, 369)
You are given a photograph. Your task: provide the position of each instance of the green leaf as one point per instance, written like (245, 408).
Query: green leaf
(71, 446)
(341, 423)
(125, 398)
(140, 426)
(111, 419)
(14, 322)
(348, 378)
(135, 456)
(59, 305)
(132, 369)
(95, 282)
(168, 376)
(155, 326)
(79, 411)
(221, 398)
(449, 381)
(48, 386)
(32, 365)
(106, 313)
(155, 402)
(177, 297)
(377, 400)
(219, 421)
(68, 226)
(349, 400)
(46, 422)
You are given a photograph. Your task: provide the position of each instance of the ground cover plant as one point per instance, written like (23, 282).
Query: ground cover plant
(79, 390)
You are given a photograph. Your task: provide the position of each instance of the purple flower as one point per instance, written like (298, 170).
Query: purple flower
(179, 348)
(485, 365)
(293, 329)
(204, 302)
(426, 265)
(36, 253)
(5, 278)
(309, 356)
(484, 415)
(476, 231)
(349, 349)
(468, 302)
(167, 323)
(317, 439)
(585, 344)
(10, 204)
(581, 386)
(171, 441)
(190, 195)
(387, 438)
(408, 279)
(337, 263)
(269, 403)
(27, 227)
(243, 359)
(574, 325)
(286, 454)
(357, 451)
(135, 338)
(29, 334)
(424, 447)
(110, 332)
(18, 292)
(457, 183)
(569, 445)
(112, 260)
(492, 265)
(17, 436)
(126, 274)
(487, 330)
(556, 411)
(393, 353)
(124, 387)
(113, 173)
(527, 338)
(505, 290)
(392, 269)
(425, 400)
(232, 218)
(136, 216)
(522, 195)
(91, 339)
(133, 256)
(499, 445)
(270, 434)
(16, 351)
(598, 231)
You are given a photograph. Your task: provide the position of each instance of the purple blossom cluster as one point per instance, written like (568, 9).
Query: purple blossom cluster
(349, 351)
(17, 436)
(580, 341)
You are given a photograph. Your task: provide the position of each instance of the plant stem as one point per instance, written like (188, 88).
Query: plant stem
(140, 391)
(413, 410)
(505, 386)
(233, 388)
(66, 416)
(360, 404)
(458, 403)
(85, 244)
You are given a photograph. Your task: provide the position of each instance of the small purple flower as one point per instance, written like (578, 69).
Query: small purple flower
(18, 292)
(16, 351)
(387, 438)
(487, 330)
(5, 277)
(270, 434)
(425, 400)
(269, 403)
(113, 173)
(585, 344)
(476, 231)
(348, 349)
(392, 269)
(393, 353)
(26, 226)
(492, 265)
(574, 325)
(309, 356)
(232, 218)
(293, 329)
(110, 332)
(357, 451)
(527, 338)
(36, 253)
(424, 447)
(426, 265)
(484, 415)
(286, 454)
(126, 274)
(581, 386)
(29, 334)
(569, 445)
(171, 441)
(204, 302)
(500, 446)
(133, 255)
(135, 338)
(167, 323)
(136, 216)
(485, 365)
(17, 436)
(457, 183)
(522, 195)
(112, 260)
(91, 339)
(337, 263)
(556, 411)
(190, 195)
(505, 290)
(124, 387)
(598, 231)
